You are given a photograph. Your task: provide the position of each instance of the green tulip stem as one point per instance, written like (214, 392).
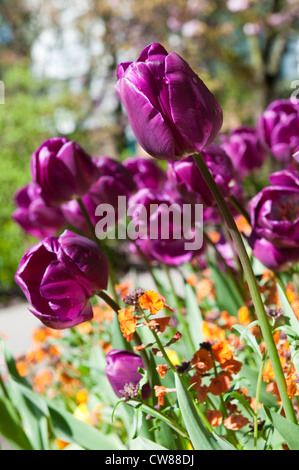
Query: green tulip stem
(252, 284)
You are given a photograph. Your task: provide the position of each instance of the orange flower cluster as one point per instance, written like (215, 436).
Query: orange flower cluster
(151, 301)
(212, 356)
(233, 418)
(292, 378)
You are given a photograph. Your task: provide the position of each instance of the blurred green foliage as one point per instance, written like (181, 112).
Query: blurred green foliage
(26, 120)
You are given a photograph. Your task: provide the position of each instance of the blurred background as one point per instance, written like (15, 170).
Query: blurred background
(58, 61)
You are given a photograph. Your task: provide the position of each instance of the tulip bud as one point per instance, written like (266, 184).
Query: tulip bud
(171, 111)
(62, 169)
(122, 373)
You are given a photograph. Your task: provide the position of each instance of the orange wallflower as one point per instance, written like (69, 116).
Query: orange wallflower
(159, 324)
(205, 288)
(123, 289)
(61, 444)
(214, 417)
(202, 360)
(235, 422)
(232, 366)
(127, 323)
(159, 393)
(244, 316)
(191, 279)
(82, 396)
(84, 328)
(162, 369)
(42, 380)
(222, 351)
(219, 384)
(212, 332)
(292, 384)
(243, 225)
(22, 368)
(227, 320)
(151, 301)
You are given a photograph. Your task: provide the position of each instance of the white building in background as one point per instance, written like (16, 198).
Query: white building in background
(65, 54)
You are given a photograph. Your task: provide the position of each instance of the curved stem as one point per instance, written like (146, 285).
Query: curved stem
(252, 284)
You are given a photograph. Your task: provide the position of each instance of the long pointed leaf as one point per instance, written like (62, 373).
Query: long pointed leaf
(201, 438)
(288, 430)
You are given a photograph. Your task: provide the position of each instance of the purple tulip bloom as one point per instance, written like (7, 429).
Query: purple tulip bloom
(146, 173)
(171, 111)
(122, 373)
(245, 150)
(63, 169)
(190, 183)
(164, 230)
(35, 215)
(274, 213)
(114, 180)
(278, 128)
(58, 277)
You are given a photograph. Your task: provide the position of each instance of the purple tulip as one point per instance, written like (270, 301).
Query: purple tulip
(114, 180)
(244, 149)
(36, 216)
(165, 231)
(171, 111)
(191, 184)
(274, 213)
(63, 169)
(146, 173)
(58, 277)
(122, 373)
(278, 128)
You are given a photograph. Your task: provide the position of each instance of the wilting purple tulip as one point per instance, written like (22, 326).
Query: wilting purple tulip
(146, 173)
(122, 373)
(274, 213)
(63, 169)
(171, 111)
(58, 277)
(191, 184)
(245, 150)
(278, 128)
(36, 216)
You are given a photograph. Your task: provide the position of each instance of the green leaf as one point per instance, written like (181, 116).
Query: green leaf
(31, 407)
(69, 429)
(193, 315)
(242, 400)
(201, 438)
(249, 338)
(251, 376)
(227, 295)
(150, 445)
(288, 430)
(11, 426)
